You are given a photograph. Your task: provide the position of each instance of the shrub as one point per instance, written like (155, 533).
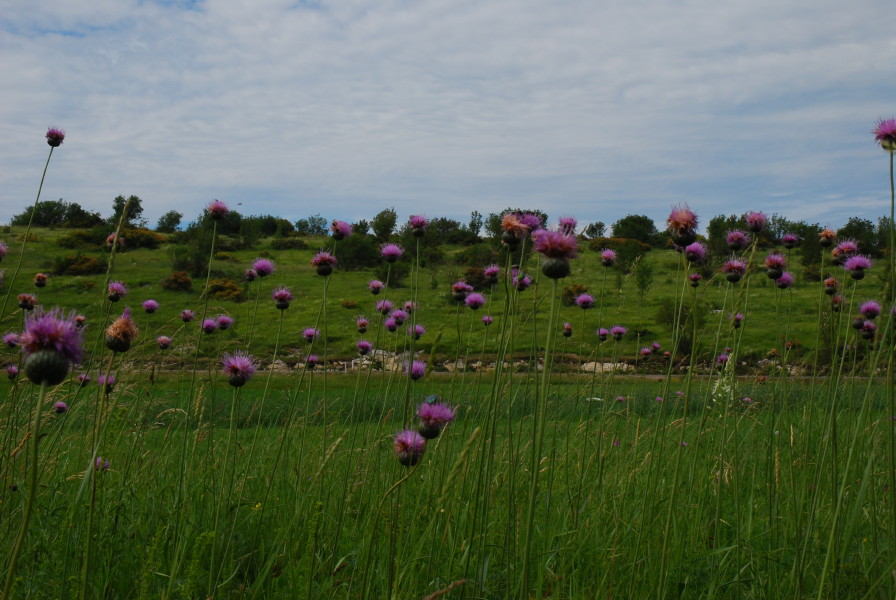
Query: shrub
(178, 281)
(78, 265)
(571, 292)
(288, 243)
(614, 243)
(475, 277)
(223, 256)
(141, 238)
(350, 304)
(226, 289)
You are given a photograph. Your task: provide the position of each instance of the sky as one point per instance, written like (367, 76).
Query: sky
(594, 110)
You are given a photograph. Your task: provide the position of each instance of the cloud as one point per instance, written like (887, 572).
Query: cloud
(343, 108)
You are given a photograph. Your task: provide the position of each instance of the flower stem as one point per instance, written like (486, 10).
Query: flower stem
(32, 489)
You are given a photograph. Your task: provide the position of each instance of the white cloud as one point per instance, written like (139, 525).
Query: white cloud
(597, 109)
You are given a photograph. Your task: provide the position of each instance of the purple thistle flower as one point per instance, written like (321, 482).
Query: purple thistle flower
(870, 309)
(310, 334)
(399, 315)
(645, 352)
(282, 296)
(475, 301)
(695, 253)
(186, 315)
(521, 282)
(340, 230)
(755, 221)
(827, 238)
(410, 307)
(150, 306)
(856, 265)
(487, 320)
(491, 273)
(774, 265)
(885, 134)
(607, 257)
(384, 307)
(312, 361)
(418, 224)
(101, 464)
(83, 379)
(361, 323)
(737, 319)
(117, 290)
(409, 447)
(737, 239)
(617, 331)
(3, 250)
(784, 281)
(434, 416)
(209, 326)
(554, 244)
(391, 252)
(790, 240)
(217, 210)
(224, 322)
(263, 267)
(530, 221)
(164, 342)
(364, 347)
(416, 331)
(460, 289)
(567, 226)
(121, 333)
(60, 408)
(415, 370)
(695, 278)
(682, 225)
(602, 333)
(734, 270)
(12, 372)
(113, 239)
(324, 262)
(868, 330)
(55, 137)
(567, 330)
(251, 275)
(238, 367)
(375, 286)
(721, 359)
(51, 342)
(107, 382)
(11, 339)
(27, 301)
(390, 324)
(585, 301)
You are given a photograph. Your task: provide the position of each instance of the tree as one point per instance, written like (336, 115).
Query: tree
(636, 227)
(48, 213)
(643, 274)
(313, 225)
(75, 216)
(493, 222)
(595, 230)
(383, 224)
(475, 226)
(169, 222)
(362, 227)
(863, 232)
(134, 207)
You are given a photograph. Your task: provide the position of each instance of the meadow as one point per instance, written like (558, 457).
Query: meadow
(708, 456)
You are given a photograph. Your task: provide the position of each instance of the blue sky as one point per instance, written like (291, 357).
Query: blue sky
(588, 109)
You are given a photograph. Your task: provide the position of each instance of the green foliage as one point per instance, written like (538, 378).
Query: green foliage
(493, 221)
(480, 255)
(357, 251)
(85, 239)
(131, 207)
(636, 227)
(393, 275)
(313, 225)
(383, 224)
(643, 275)
(142, 238)
(475, 224)
(570, 292)
(226, 289)
(78, 264)
(178, 281)
(595, 230)
(57, 213)
(169, 222)
(362, 227)
(864, 232)
(289, 243)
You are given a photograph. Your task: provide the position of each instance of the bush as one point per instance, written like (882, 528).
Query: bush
(178, 281)
(479, 255)
(289, 243)
(475, 277)
(141, 238)
(614, 243)
(226, 289)
(78, 265)
(223, 256)
(350, 304)
(571, 292)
